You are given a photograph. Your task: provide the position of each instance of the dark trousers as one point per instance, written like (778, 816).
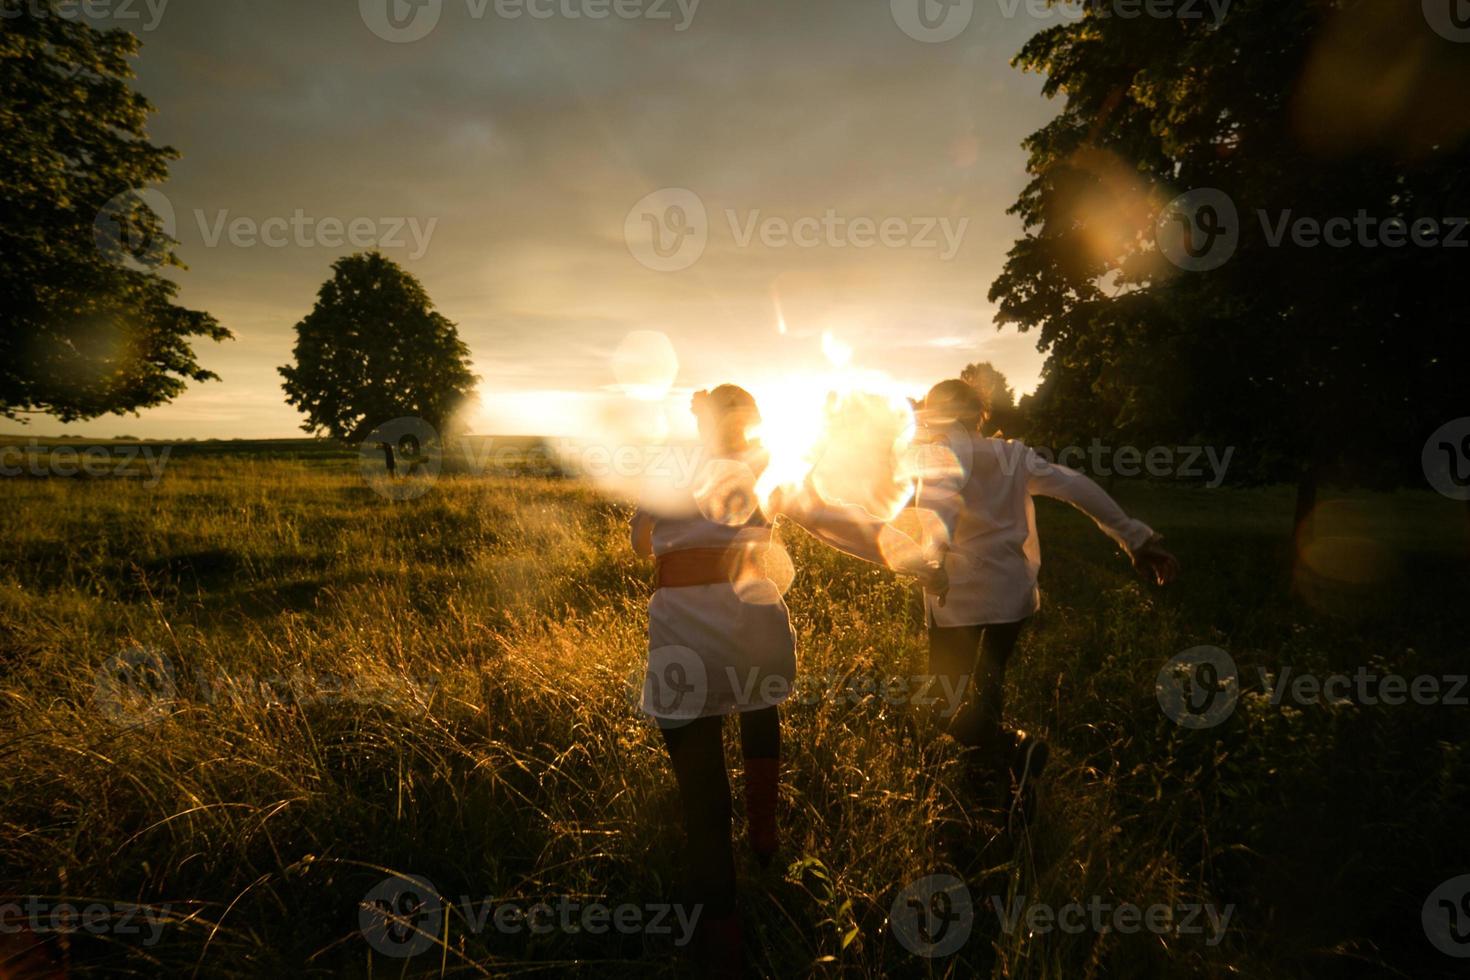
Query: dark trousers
(971, 662)
(697, 751)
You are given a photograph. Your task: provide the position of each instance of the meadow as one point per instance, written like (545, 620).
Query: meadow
(444, 687)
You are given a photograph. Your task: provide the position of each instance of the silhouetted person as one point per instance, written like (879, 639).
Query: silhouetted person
(985, 522)
(412, 451)
(720, 643)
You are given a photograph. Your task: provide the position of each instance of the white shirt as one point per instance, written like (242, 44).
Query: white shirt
(975, 503)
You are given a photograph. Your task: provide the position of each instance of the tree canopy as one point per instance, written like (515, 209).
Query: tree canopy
(1302, 356)
(373, 350)
(995, 391)
(90, 327)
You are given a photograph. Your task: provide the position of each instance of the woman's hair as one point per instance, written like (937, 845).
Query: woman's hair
(726, 413)
(957, 401)
(724, 401)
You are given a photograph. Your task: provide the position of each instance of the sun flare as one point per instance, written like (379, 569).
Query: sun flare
(846, 429)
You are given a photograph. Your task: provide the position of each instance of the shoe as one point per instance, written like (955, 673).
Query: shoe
(762, 792)
(1028, 755)
(982, 778)
(720, 947)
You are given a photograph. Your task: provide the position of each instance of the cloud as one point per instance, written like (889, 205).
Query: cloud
(528, 141)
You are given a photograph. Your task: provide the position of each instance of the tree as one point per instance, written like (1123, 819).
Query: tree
(1311, 361)
(995, 391)
(373, 350)
(89, 326)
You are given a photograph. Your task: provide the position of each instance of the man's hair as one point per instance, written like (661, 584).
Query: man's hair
(955, 401)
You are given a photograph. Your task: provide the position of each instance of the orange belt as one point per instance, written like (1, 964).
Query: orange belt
(707, 566)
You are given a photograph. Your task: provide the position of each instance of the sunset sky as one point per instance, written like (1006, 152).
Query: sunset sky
(517, 146)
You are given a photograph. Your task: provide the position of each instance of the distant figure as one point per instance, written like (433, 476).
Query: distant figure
(388, 459)
(409, 446)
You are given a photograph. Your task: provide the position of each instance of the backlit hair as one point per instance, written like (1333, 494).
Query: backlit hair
(724, 402)
(955, 401)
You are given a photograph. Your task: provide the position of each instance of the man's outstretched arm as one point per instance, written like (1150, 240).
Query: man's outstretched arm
(1143, 545)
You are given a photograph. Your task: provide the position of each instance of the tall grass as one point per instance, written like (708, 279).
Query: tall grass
(444, 687)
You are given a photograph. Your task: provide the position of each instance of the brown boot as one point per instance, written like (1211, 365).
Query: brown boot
(762, 791)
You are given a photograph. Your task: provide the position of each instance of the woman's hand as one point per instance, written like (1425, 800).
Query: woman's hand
(1156, 563)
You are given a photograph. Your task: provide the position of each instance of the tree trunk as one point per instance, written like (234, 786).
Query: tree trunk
(1306, 502)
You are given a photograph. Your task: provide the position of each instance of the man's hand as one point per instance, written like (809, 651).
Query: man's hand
(935, 581)
(1155, 563)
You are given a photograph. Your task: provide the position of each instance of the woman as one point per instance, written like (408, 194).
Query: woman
(720, 642)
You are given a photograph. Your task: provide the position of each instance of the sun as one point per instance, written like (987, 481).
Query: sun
(846, 430)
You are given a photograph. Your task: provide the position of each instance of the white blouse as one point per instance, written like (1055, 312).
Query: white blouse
(728, 647)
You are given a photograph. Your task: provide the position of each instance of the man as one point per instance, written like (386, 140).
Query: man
(976, 504)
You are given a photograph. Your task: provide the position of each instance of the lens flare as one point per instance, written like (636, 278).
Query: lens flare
(777, 572)
(645, 365)
(844, 431)
(724, 491)
(847, 430)
(837, 352)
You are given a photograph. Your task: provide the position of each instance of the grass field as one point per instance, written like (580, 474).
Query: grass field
(441, 687)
